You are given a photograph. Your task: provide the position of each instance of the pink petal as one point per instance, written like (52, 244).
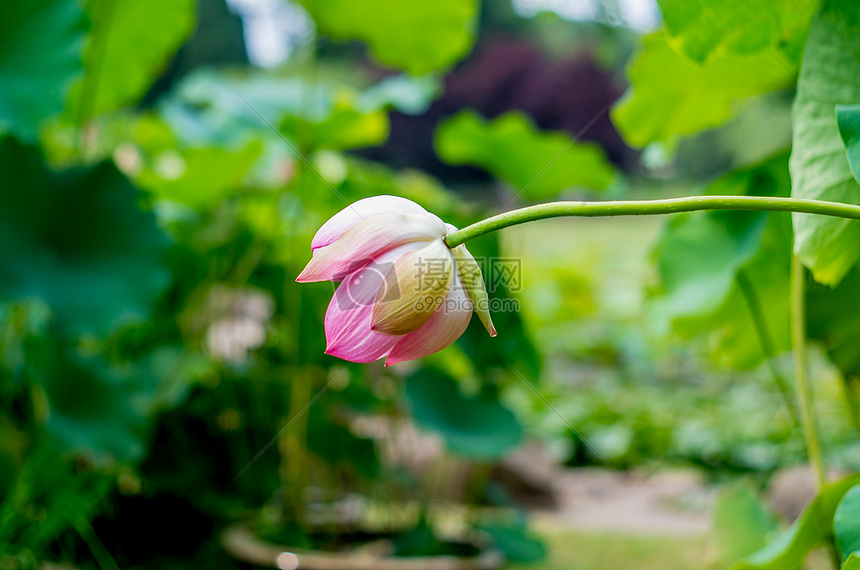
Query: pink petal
(357, 211)
(365, 241)
(347, 320)
(441, 330)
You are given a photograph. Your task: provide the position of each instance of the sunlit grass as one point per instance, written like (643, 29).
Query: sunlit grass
(581, 550)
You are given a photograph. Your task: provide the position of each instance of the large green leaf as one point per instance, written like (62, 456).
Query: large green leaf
(97, 408)
(852, 563)
(670, 97)
(476, 426)
(812, 528)
(837, 329)
(515, 542)
(829, 75)
(706, 29)
(848, 120)
(716, 268)
(77, 240)
(742, 525)
(846, 523)
(512, 148)
(725, 281)
(130, 45)
(415, 36)
(699, 256)
(752, 323)
(40, 54)
(759, 291)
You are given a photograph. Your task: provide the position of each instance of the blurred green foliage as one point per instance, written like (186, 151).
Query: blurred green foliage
(147, 244)
(811, 529)
(77, 240)
(515, 542)
(742, 525)
(40, 55)
(477, 426)
(540, 164)
(723, 273)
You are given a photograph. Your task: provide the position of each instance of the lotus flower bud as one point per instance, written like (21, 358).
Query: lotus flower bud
(403, 293)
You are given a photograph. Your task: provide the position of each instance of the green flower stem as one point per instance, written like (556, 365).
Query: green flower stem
(849, 384)
(804, 390)
(801, 368)
(650, 208)
(747, 289)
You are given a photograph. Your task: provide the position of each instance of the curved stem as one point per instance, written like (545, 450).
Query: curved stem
(804, 395)
(650, 208)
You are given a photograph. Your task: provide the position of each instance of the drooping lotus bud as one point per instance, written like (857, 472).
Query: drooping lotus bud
(403, 294)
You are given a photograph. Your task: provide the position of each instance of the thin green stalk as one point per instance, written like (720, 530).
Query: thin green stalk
(804, 390)
(766, 341)
(293, 447)
(851, 400)
(804, 394)
(650, 208)
(97, 548)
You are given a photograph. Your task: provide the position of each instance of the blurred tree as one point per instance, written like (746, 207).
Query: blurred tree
(512, 74)
(218, 39)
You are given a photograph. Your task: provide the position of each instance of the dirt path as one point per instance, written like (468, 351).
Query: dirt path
(670, 502)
